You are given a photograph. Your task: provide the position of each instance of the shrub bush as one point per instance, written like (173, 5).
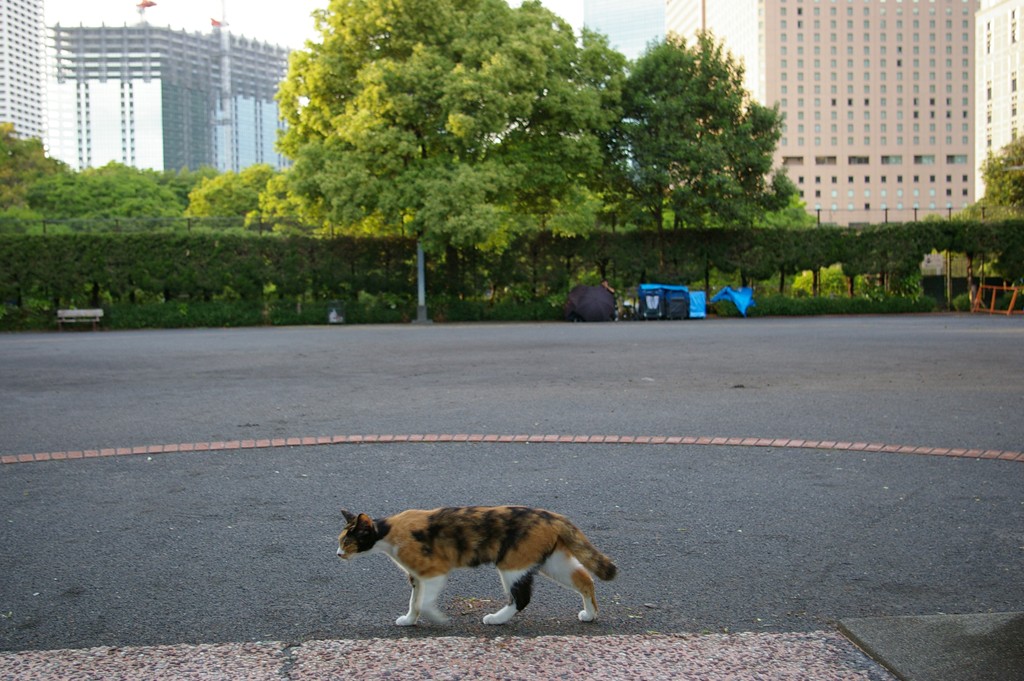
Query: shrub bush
(783, 306)
(962, 302)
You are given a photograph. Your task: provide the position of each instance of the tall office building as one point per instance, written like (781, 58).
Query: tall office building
(631, 25)
(878, 99)
(736, 23)
(21, 66)
(157, 98)
(999, 47)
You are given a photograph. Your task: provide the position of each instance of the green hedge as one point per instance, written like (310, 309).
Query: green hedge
(784, 306)
(215, 279)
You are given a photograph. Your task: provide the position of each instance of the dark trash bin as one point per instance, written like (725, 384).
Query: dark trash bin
(663, 301)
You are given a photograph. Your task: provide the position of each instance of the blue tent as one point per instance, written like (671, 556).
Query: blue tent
(742, 298)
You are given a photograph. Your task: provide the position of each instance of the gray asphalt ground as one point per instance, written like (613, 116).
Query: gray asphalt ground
(231, 546)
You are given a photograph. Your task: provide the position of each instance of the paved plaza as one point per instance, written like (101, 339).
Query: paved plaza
(773, 490)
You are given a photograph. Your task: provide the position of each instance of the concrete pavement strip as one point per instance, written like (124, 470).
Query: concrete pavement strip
(819, 655)
(985, 647)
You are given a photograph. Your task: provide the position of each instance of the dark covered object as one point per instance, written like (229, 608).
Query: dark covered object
(590, 304)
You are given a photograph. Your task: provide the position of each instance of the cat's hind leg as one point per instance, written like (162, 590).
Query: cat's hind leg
(564, 569)
(518, 585)
(423, 601)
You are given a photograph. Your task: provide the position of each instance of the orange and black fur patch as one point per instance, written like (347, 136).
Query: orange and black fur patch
(519, 541)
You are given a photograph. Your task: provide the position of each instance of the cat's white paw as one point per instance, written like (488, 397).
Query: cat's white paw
(586, 616)
(405, 621)
(502, 616)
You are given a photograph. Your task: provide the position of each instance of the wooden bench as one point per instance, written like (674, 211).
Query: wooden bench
(78, 316)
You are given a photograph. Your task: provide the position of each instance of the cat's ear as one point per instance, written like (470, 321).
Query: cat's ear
(364, 522)
(348, 516)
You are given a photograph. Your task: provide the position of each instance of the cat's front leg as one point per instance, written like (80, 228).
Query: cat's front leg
(430, 590)
(409, 618)
(423, 601)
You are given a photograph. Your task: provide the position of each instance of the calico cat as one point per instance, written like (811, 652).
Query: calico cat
(517, 540)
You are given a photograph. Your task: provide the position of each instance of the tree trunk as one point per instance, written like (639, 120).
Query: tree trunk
(970, 277)
(659, 216)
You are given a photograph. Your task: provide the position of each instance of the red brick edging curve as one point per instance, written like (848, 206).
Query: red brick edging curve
(782, 443)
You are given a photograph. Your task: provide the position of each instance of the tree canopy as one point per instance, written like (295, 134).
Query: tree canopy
(115, 190)
(22, 163)
(1003, 174)
(694, 142)
(230, 194)
(461, 121)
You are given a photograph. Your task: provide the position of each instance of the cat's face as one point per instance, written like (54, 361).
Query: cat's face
(357, 536)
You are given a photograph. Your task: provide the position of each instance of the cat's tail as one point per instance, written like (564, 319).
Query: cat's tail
(586, 553)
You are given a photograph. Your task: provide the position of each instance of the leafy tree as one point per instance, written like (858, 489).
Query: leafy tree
(692, 140)
(462, 121)
(22, 163)
(230, 194)
(287, 212)
(183, 181)
(1003, 174)
(793, 215)
(113, 191)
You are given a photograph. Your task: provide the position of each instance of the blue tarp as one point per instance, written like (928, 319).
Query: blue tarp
(666, 288)
(698, 305)
(742, 298)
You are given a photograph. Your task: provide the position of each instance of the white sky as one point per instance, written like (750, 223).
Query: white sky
(283, 23)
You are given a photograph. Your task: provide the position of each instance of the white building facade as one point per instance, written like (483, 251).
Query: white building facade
(156, 98)
(630, 25)
(999, 62)
(22, 66)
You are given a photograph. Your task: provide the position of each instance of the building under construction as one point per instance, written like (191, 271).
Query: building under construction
(159, 98)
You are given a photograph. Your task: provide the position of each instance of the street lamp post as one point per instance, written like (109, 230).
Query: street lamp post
(421, 287)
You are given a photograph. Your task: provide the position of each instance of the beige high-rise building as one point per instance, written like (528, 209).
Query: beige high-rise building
(999, 47)
(877, 95)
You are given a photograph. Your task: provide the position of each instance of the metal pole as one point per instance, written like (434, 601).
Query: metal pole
(421, 287)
